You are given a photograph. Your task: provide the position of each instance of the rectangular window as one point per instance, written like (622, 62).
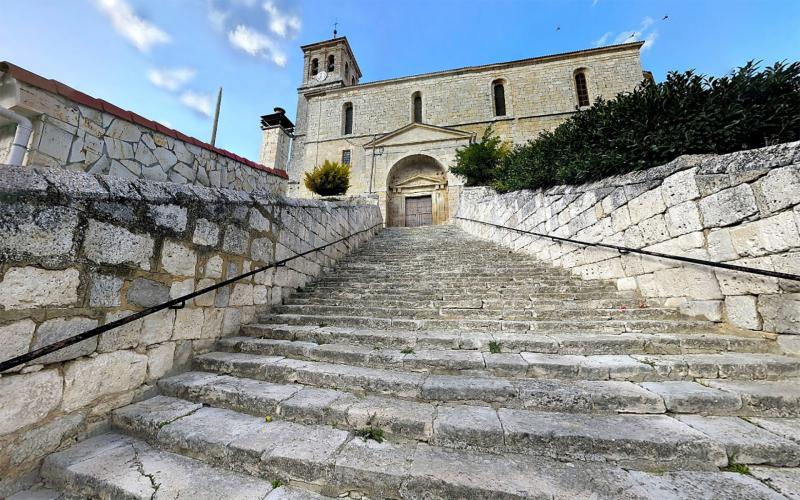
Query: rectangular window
(346, 157)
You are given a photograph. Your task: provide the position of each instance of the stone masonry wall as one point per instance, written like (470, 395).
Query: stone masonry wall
(741, 208)
(77, 136)
(78, 250)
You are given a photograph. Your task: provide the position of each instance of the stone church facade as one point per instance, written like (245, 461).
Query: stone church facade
(400, 135)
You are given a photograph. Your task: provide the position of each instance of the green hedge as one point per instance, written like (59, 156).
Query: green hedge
(688, 113)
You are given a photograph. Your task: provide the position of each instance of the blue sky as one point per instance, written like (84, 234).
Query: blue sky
(164, 59)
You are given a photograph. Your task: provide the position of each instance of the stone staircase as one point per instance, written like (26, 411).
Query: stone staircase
(430, 365)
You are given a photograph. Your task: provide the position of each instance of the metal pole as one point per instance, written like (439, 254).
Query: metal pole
(216, 117)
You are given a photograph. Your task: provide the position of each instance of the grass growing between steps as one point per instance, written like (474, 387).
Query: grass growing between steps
(373, 433)
(740, 468)
(407, 350)
(494, 347)
(276, 483)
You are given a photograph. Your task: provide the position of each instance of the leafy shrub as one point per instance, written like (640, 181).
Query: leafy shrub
(655, 123)
(478, 161)
(328, 179)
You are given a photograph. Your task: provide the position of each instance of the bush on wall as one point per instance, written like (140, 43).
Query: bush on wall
(686, 114)
(328, 179)
(478, 161)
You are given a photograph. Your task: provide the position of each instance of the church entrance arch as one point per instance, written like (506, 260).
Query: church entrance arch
(416, 192)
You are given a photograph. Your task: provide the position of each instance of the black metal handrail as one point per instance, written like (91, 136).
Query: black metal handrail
(624, 250)
(176, 303)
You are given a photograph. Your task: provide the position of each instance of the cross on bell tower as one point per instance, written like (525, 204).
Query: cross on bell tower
(334, 28)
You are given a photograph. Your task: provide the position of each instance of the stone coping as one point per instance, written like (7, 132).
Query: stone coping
(39, 181)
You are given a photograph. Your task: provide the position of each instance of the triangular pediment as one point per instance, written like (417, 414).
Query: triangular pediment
(419, 181)
(415, 133)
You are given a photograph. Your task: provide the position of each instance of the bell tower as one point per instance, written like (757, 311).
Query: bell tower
(330, 62)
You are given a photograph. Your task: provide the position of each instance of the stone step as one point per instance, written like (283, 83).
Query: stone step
(462, 288)
(114, 465)
(636, 368)
(556, 343)
(453, 310)
(336, 463)
(482, 325)
(556, 434)
(527, 303)
(762, 398)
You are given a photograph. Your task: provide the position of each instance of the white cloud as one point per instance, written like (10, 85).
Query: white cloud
(217, 17)
(603, 40)
(170, 79)
(283, 25)
(197, 101)
(256, 43)
(645, 32)
(142, 34)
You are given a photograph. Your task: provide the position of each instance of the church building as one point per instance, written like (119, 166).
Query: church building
(400, 135)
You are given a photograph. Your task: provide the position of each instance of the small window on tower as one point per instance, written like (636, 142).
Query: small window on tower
(346, 71)
(352, 80)
(314, 67)
(331, 66)
(346, 157)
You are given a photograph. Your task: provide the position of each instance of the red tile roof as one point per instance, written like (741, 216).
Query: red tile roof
(79, 97)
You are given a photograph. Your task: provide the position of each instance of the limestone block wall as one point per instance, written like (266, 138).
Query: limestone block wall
(78, 250)
(75, 131)
(742, 208)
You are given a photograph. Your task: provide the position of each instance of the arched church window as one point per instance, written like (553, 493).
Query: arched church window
(346, 71)
(331, 66)
(314, 67)
(581, 89)
(348, 118)
(499, 94)
(417, 107)
(353, 80)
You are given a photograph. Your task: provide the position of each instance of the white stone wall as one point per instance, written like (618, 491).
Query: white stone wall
(539, 96)
(77, 137)
(79, 250)
(741, 208)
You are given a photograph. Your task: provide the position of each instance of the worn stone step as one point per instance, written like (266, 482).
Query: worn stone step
(576, 396)
(555, 343)
(336, 463)
(634, 440)
(774, 399)
(477, 302)
(485, 295)
(482, 325)
(114, 465)
(637, 368)
(452, 310)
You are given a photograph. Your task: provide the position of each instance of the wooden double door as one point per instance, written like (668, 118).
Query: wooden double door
(419, 211)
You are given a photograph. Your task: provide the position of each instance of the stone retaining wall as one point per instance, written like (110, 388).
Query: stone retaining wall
(75, 131)
(741, 208)
(78, 250)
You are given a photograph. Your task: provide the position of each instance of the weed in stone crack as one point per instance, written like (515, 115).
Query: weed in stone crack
(740, 468)
(407, 350)
(494, 347)
(323, 325)
(268, 418)
(276, 483)
(374, 433)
